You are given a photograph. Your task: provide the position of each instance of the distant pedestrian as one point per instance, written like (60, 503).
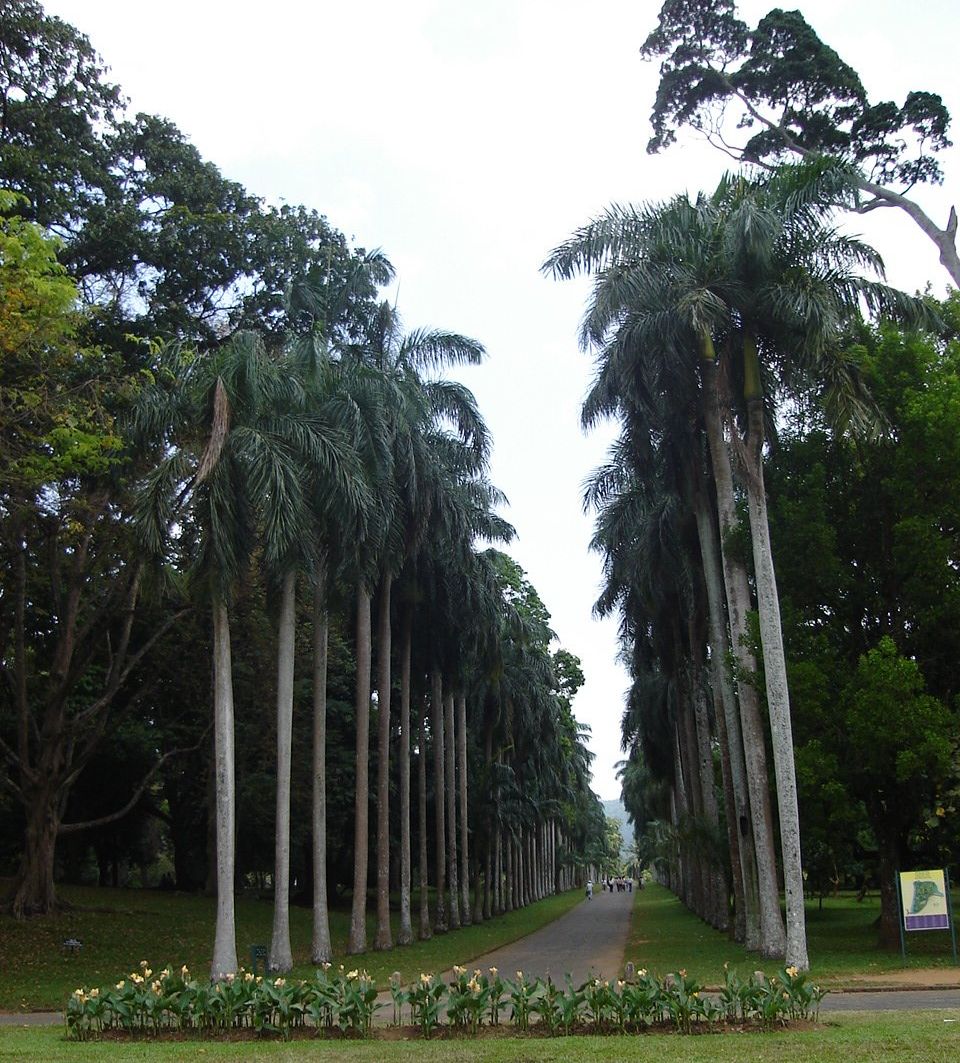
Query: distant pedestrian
(589, 889)
(630, 885)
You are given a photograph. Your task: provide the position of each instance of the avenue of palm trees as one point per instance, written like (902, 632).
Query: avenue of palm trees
(339, 467)
(707, 317)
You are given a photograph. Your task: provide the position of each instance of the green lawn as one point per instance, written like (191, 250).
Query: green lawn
(884, 1037)
(841, 941)
(121, 927)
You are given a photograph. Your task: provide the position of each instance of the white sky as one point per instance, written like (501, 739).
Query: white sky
(467, 138)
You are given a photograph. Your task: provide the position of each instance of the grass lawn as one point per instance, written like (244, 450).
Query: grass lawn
(119, 928)
(850, 1038)
(841, 941)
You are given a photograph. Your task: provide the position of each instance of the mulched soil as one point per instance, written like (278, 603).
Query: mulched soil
(447, 1033)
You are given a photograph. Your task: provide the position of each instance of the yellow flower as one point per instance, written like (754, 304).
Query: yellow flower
(683, 972)
(230, 976)
(144, 964)
(642, 973)
(156, 987)
(165, 973)
(147, 972)
(519, 976)
(493, 971)
(94, 993)
(248, 977)
(941, 811)
(120, 984)
(696, 993)
(353, 974)
(184, 971)
(458, 970)
(326, 966)
(279, 983)
(620, 983)
(424, 978)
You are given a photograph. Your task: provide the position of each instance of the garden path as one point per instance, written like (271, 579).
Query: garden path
(589, 941)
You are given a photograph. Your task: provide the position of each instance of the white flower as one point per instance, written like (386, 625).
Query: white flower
(459, 970)
(279, 983)
(353, 974)
(424, 979)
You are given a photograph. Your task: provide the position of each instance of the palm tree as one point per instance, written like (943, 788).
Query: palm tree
(647, 290)
(207, 412)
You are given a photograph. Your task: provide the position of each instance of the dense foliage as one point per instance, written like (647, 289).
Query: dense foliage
(220, 446)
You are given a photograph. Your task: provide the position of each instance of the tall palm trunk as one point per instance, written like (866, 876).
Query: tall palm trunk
(361, 816)
(774, 664)
(508, 885)
(383, 938)
(464, 827)
(439, 799)
(739, 821)
(450, 762)
(281, 956)
(225, 939)
(772, 934)
(425, 931)
(405, 934)
(718, 912)
(320, 950)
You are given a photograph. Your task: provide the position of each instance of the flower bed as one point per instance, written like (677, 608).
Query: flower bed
(345, 1004)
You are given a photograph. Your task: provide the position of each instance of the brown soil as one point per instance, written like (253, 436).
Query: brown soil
(442, 1033)
(908, 978)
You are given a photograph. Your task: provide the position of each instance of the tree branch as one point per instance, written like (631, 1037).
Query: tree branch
(102, 821)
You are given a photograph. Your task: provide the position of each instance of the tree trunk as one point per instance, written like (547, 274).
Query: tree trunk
(425, 931)
(889, 865)
(320, 950)
(361, 822)
(225, 938)
(405, 935)
(384, 938)
(509, 882)
(450, 762)
(778, 706)
(772, 933)
(736, 793)
(439, 799)
(464, 826)
(281, 956)
(34, 890)
(719, 915)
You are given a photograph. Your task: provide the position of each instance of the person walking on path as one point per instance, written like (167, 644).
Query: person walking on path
(589, 889)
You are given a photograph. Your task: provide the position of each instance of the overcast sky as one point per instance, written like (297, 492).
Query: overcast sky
(467, 138)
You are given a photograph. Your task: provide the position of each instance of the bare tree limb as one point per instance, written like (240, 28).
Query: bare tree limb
(102, 821)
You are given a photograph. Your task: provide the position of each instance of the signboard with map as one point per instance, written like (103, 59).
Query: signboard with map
(924, 900)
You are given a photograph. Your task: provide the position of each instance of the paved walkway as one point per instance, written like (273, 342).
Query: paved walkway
(589, 941)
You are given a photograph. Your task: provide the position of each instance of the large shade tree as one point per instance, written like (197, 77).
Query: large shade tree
(796, 98)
